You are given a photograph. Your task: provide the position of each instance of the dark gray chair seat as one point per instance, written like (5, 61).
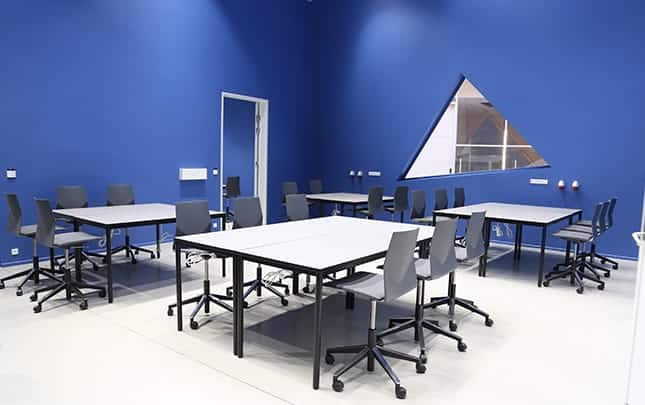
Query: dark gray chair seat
(28, 230)
(369, 285)
(584, 222)
(73, 239)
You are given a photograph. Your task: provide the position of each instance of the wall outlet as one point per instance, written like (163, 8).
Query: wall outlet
(215, 172)
(374, 174)
(352, 173)
(541, 182)
(215, 225)
(359, 173)
(15, 252)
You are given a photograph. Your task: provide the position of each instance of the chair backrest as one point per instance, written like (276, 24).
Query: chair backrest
(315, 186)
(440, 199)
(418, 204)
(460, 197)
(401, 198)
(14, 221)
(602, 219)
(71, 197)
(46, 223)
(595, 220)
(375, 200)
(192, 217)
(475, 235)
(297, 207)
(248, 212)
(443, 259)
(232, 186)
(610, 212)
(289, 187)
(120, 194)
(399, 273)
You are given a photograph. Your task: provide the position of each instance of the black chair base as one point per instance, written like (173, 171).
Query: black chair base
(203, 301)
(32, 274)
(583, 257)
(72, 290)
(130, 251)
(258, 284)
(371, 351)
(575, 272)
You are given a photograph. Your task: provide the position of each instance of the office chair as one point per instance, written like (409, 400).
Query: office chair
(460, 197)
(472, 247)
(609, 223)
(400, 202)
(297, 207)
(440, 203)
(288, 187)
(122, 194)
(374, 203)
(248, 213)
(193, 217)
(441, 262)
(232, 192)
(14, 225)
(418, 210)
(397, 279)
(602, 228)
(315, 186)
(575, 269)
(46, 235)
(75, 197)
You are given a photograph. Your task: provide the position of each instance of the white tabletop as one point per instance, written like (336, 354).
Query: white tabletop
(514, 212)
(317, 244)
(124, 214)
(343, 198)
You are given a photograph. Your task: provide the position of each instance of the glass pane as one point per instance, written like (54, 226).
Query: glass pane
(479, 123)
(514, 137)
(523, 157)
(477, 158)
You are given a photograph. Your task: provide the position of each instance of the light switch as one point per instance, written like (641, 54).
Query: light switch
(12, 173)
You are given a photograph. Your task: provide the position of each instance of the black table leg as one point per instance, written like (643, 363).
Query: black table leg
(349, 297)
(238, 306)
(108, 262)
(566, 256)
(542, 247)
(295, 285)
(519, 241)
(158, 240)
(483, 261)
(317, 331)
(77, 257)
(180, 320)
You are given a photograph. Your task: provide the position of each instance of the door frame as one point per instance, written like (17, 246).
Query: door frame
(261, 152)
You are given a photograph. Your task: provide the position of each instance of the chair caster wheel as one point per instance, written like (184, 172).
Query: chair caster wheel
(284, 302)
(33, 298)
(37, 309)
(229, 293)
(379, 342)
(453, 326)
(245, 305)
(101, 293)
(603, 261)
(1, 285)
(607, 275)
(461, 346)
(601, 286)
(580, 290)
(170, 312)
(286, 291)
(400, 392)
(19, 292)
(194, 325)
(489, 322)
(83, 305)
(423, 357)
(152, 255)
(421, 369)
(329, 359)
(615, 267)
(545, 284)
(136, 252)
(338, 385)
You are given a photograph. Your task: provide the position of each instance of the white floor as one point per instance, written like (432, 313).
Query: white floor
(548, 345)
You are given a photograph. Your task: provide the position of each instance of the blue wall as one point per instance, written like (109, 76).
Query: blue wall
(239, 143)
(103, 91)
(567, 74)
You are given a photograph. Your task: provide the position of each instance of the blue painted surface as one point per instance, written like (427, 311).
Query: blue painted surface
(95, 92)
(239, 143)
(568, 75)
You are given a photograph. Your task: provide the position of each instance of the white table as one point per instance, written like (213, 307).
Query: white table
(353, 200)
(122, 216)
(317, 247)
(518, 214)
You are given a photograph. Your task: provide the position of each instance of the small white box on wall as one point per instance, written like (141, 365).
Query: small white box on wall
(193, 173)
